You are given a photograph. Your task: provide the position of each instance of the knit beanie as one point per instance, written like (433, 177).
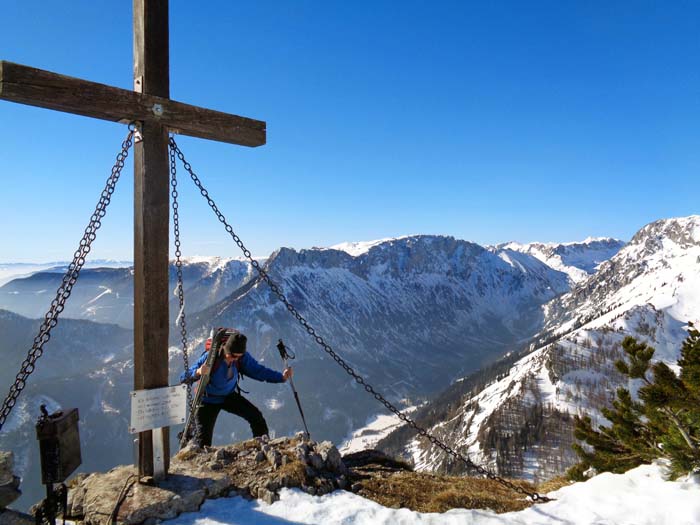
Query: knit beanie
(235, 344)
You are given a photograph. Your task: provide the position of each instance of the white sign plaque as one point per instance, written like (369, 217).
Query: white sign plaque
(158, 407)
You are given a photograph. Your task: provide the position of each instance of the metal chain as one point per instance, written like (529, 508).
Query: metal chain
(327, 348)
(69, 279)
(178, 266)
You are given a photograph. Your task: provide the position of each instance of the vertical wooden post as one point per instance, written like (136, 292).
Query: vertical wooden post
(151, 216)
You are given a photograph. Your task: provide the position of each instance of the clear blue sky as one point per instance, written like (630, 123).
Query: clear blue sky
(489, 121)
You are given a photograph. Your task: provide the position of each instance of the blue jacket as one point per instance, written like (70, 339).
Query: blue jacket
(220, 385)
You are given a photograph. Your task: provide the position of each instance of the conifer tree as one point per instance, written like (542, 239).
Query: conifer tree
(665, 422)
(678, 398)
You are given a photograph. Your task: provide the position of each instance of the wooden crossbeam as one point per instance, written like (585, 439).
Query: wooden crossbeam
(37, 87)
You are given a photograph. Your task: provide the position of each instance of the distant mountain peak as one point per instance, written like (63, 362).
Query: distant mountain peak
(519, 246)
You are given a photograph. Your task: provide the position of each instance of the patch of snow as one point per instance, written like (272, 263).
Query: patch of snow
(274, 404)
(106, 291)
(638, 497)
(358, 248)
(216, 263)
(590, 240)
(376, 429)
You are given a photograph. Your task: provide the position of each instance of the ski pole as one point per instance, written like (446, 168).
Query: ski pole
(286, 356)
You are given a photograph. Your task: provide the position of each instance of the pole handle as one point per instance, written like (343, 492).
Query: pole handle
(285, 353)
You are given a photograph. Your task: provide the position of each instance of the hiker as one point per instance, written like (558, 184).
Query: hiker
(223, 390)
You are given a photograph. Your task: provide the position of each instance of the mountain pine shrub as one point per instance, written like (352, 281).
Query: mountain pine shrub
(663, 423)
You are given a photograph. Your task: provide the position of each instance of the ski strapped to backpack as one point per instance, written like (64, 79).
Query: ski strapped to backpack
(217, 341)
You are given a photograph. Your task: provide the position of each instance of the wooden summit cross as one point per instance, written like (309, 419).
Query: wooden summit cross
(150, 105)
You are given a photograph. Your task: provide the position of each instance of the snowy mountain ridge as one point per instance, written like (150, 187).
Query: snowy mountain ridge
(659, 266)
(407, 315)
(577, 259)
(105, 293)
(521, 422)
(407, 279)
(10, 271)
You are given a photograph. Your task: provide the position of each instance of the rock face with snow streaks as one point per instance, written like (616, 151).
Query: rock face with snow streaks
(431, 304)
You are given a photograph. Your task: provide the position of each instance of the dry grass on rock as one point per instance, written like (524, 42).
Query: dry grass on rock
(553, 484)
(392, 483)
(428, 493)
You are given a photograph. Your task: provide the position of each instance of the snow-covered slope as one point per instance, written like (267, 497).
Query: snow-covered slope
(638, 497)
(373, 432)
(521, 422)
(578, 260)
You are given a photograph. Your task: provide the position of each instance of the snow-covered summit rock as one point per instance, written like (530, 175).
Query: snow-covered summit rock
(683, 232)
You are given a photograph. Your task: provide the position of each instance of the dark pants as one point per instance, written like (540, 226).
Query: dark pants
(233, 403)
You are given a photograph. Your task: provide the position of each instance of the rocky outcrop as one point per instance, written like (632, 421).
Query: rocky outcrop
(12, 517)
(9, 492)
(257, 468)
(9, 483)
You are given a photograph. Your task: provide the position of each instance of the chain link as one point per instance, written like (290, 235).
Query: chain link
(327, 348)
(69, 279)
(178, 266)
